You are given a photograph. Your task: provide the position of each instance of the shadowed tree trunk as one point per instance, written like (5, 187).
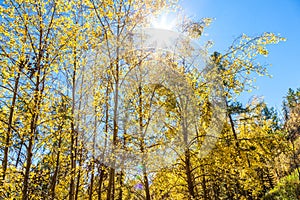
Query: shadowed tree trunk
(10, 124)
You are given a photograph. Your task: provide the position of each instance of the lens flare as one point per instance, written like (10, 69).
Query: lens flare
(165, 22)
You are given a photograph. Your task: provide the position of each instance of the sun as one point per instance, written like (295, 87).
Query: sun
(161, 31)
(166, 22)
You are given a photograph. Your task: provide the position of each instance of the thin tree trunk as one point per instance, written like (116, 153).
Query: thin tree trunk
(73, 133)
(142, 145)
(111, 184)
(188, 173)
(205, 197)
(187, 156)
(120, 197)
(93, 158)
(121, 182)
(79, 173)
(233, 128)
(54, 178)
(72, 182)
(110, 191)
(102, 171)
(100, 182)
(33, 124)
(27, 169)
(92, 183)
(19, 153)
(10, 123)
(146, 183)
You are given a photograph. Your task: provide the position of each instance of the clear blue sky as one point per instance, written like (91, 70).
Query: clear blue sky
(253, 17)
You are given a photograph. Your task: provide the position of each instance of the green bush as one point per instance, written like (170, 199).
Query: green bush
(288, 188)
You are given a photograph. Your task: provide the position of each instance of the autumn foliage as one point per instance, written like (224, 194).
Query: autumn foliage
(85, 114)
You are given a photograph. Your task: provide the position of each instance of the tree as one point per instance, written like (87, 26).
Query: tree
(291, 110)
(31, 44)
(96, 105)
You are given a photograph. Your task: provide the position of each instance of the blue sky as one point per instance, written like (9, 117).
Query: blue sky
(253, 17)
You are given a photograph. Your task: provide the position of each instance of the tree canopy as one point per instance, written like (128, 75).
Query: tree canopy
(97, 103)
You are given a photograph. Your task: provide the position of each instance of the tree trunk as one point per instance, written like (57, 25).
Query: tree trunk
(111, 184)
(101, 172)
(188, 173)
(120, 197)
(79, 173)
(101, 169)
(72, 181)
(93, 159)
(91, 184)
(73, 132)
(233, 129)
(33, 123)
(187, 156)
(146, 183)
(19, 153)
(10, 124)
(27, 169)
(205, 197)
(142, 145)
(54, 178)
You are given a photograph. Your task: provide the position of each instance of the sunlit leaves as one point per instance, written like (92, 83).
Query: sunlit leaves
(64, 65)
